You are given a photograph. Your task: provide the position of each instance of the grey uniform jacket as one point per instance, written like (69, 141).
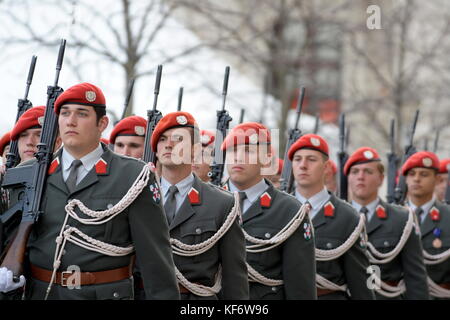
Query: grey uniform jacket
(200, 216)
(293, 261)
(350, 268)
(142, 224)
(384, 231)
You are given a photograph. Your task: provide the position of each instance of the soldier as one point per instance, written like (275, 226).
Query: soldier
(93, 256)
(4, 149)
(330, 177)
(203, 159)
(277, 164)
(400, 260)
(27, 132)
(421, 172)
(197, 213)
(128, 137)
(441, 184)
(341, 272)
(286, 271)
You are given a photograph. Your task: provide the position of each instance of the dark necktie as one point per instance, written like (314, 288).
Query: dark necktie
(419, 212)
(364, 210)
(171, 204)
(242, 197)
(71, 181)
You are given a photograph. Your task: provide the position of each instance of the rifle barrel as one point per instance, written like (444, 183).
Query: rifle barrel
(225, 86)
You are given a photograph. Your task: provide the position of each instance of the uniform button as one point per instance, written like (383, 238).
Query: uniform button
(274, 289)
(110, 205)
(329, 245)
(115, 295)
(386, 243)
(267, 235)
(198, 230)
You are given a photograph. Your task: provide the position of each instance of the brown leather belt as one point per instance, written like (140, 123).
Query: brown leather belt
(322, 292)
(86, 278)
(392, 283)
(444, 285)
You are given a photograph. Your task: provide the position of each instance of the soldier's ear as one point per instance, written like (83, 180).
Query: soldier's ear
(103, 123)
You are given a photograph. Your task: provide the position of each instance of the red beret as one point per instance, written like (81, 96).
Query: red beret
(172, 120)
(309, 141)
(104, 140)
(130, 126)
(247, 133)
(280, 165)
(84, 94)
(207, 137)
(443, 165)
(4, 141)
(422, 159)
(362, 155)
(333, 166)
(33, 117)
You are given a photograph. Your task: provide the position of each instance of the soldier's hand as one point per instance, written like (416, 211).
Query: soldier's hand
(6, 281)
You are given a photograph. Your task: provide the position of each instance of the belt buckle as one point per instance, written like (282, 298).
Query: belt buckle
(64, 279)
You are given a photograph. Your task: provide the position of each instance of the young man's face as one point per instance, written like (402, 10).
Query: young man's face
(202, 161)
(441, 186)
(175, 147)
(421, 182)
(364, 180)
(308, 167)
(131, 146)
(5, 152)
(246, 162)
(78, 127)
(27, 143)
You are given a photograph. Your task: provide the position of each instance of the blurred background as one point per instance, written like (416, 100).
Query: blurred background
(372, 60)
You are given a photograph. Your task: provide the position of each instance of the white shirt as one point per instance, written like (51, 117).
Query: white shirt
(317, 201)
(88, 162)
(183, 189)
(425, 207)
(253, 193)
(371, 207)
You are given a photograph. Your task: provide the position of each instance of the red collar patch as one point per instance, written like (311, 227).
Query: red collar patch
(53, 166)
(381, 212)
(328, 209)
(225, 187)
(434, 214)
(194, 196)
(265, 200)
(101, 166)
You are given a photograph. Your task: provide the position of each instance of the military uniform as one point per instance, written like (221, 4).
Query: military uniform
(333, 225)
(293, 261)
(384, 231)
(435, 233)
(142, 224)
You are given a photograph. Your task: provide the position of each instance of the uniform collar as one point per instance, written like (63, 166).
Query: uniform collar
(370, 206)
(425, 207)
(317, 201)
(253, 192)
(88, 161)
(183, 186)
